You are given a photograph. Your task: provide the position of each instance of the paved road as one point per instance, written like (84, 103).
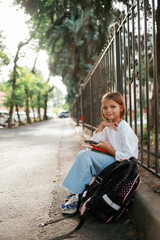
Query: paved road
(34, 160)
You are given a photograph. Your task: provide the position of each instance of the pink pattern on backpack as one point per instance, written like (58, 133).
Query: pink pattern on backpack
(84, 194)
(84, 206)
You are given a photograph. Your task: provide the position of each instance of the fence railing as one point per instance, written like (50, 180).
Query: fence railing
(128, 63)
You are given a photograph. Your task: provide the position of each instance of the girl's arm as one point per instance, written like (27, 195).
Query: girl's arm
(128, 143)
(106, 147)
(129, 147)
(100, 135)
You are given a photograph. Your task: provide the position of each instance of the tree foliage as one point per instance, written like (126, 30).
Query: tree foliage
(73, 33)
(30, 92)
(4, 59)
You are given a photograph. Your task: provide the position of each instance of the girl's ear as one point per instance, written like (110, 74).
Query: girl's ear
(121, 108)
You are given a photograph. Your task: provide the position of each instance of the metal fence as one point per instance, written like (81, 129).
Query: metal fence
(128, 63)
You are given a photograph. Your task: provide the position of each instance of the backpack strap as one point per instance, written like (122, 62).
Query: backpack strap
(68, 235)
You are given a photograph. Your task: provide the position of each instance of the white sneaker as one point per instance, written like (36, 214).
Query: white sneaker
(70, 206)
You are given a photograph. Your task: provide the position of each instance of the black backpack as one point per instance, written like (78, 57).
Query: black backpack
(109, 195)
(111, 192)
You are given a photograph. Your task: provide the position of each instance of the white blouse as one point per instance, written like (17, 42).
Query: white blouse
(124, 140)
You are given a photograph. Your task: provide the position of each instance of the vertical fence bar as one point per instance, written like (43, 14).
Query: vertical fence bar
(155, 84)
(134, 66)
(108, 87)
(103, 75)
(146, 75)
(110, 70)
(82, 100)
(120, 86)
(140, 81)
(77, 107)
(91, 111)
(79, 110)
(117, 61)
(113, 67)
(125, 64)
(129, 63)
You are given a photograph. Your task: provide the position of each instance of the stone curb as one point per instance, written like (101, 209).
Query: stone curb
(146, 212)
(146, 206)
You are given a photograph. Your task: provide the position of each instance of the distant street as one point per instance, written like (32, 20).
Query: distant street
(33, 161)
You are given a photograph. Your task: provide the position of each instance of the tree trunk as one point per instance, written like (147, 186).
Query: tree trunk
(158, 58)
(45, 106)
(27, 106)
(34, 114)
(76, 70)
(10, 116)
(13, 90)
(19, 119)
(20, 45)
(39, 107)
(34, 65)
(32, 106)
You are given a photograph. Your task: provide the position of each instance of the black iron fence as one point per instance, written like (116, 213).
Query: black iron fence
(128, 63)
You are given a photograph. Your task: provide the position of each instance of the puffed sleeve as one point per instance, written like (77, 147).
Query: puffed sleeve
(129, 145)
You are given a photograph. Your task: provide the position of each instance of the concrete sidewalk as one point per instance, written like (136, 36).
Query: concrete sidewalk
(69, 144)
(145, 210)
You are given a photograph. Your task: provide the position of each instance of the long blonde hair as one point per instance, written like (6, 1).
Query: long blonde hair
(117, 97)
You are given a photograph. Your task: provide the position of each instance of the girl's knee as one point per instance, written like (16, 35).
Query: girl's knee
(82, 156)
(82, 153)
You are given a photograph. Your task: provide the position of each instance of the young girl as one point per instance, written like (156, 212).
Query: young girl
(115, 136)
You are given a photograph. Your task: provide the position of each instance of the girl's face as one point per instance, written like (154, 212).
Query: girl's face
(112, 110)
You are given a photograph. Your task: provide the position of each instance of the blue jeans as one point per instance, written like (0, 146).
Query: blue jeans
(87, 164)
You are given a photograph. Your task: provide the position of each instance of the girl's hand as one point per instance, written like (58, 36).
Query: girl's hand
(122, 159)
(112, 125)
(102, 145)
(106, 147)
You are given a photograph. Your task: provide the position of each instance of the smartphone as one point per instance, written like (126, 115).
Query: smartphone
(91, 142)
